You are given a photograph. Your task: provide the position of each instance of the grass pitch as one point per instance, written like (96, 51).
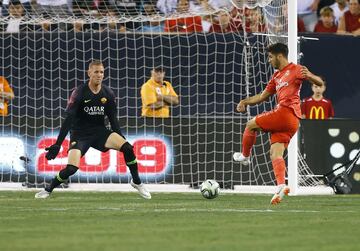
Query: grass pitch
(124, 221)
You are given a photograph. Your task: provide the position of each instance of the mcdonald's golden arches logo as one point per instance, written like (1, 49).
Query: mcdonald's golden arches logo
(318, 112)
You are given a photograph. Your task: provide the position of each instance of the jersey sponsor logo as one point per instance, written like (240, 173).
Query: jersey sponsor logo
(87, 101)
(281, 84)
(94, 110)
(317, 112)
(103, 100)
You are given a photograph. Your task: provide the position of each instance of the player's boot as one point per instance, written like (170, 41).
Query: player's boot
(42, 195)
(281, 192)
(142, 190)
(241, 158)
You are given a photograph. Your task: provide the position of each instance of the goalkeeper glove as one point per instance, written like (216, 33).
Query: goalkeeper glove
(52, 151)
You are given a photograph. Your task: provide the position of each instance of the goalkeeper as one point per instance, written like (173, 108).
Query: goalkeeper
(86, 110)
(283, 121)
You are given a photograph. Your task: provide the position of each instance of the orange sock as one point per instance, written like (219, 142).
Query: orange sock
(249, 139)
(279, 170)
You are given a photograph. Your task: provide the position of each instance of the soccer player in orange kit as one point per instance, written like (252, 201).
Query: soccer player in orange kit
(283, 121)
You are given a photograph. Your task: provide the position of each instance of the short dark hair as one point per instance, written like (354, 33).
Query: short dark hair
(278, 48)
(158, 69)
(14, 2)
(323, 79)
(95, 62)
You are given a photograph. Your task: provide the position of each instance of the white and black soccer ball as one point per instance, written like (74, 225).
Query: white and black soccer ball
(210, 189)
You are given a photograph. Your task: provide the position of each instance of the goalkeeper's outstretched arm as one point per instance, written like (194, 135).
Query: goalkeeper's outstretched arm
(71, 110)
(53, 150)
(65, 128)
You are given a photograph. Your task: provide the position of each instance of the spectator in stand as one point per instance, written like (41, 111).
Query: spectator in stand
(221, 4)
(157, 95)
(200, 6)
(153, 25)
(167, 7)
(326, 23)
(322, 4)
(6, 95)
(281, 26)
(26, 4)
(307, 12)
(317, 106)
(255, 21)
(224, 24)
(53, 8)
(127, 7)
(339, 8)
(184, 24)
(350, 21)
(16, 15)
(113, 24)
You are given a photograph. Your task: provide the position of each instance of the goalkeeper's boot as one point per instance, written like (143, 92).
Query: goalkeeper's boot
(142, 190)
(282, 191)
(42, 194)
(241, 158)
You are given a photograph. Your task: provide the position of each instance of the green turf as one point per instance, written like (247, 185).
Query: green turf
(123, 221)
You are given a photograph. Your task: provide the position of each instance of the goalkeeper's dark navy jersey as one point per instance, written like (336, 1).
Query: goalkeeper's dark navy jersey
(87, 110)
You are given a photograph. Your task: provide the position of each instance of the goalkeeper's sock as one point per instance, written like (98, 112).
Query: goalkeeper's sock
(61, 177)
(131, 162)
(134, 172)
(279, 170)
(249, 139)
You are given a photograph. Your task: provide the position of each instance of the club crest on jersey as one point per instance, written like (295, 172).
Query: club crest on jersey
(103, 100)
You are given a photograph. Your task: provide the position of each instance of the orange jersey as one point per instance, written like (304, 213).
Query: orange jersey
(4, 87)
(287, 84)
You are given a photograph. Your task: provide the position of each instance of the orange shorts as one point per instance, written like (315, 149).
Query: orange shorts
(281, 122)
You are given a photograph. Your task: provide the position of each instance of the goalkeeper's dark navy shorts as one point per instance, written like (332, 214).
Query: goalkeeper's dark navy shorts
(85, 139)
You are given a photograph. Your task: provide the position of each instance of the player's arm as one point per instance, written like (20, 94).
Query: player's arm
(341, 27)
(149, 98)
(71, 110)
(313, 79)
(7, 95)
(169, 99)
(253, 100)
(156, 105)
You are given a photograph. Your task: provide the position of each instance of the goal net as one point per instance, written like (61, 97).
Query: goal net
(213, 53)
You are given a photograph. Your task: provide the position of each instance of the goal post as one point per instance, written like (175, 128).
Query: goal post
(293, 162)
(211, 72)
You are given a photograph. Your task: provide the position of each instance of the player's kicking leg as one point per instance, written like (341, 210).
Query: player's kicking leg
(249, 139)
(63, 175)
(115, 141)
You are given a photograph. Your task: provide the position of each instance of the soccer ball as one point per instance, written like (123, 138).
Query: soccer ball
(210, 189)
